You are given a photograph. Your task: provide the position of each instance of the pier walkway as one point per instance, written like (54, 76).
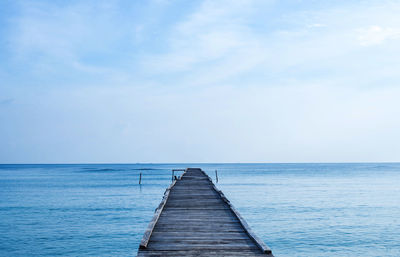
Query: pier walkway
(195, 219)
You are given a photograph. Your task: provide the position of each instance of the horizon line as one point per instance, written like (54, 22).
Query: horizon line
(168, 163)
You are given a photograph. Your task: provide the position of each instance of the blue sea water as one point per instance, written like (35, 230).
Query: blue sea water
(297, 209)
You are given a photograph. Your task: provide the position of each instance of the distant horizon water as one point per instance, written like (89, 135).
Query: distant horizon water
(189, 163)
(297, 209)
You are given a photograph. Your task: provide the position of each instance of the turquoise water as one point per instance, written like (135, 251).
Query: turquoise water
(297, 209)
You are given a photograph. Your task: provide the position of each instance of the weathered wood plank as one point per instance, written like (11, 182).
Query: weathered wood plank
(176, 247)
(211, 253)
(198, 229)
(197, 219)
(203, 241)
(209, 236)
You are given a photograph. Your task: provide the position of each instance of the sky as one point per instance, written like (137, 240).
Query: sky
(199, 81)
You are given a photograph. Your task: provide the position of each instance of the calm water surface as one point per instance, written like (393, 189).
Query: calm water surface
(297, 209)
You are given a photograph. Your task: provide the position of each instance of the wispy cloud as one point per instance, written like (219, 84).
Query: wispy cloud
(375, 35)
(219, 43)
(201, 81)
(206, 38)
(86, 38)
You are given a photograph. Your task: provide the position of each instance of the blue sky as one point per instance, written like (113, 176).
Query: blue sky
(199, 81)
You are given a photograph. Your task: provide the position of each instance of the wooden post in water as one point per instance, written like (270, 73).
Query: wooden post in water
(216, 176)
(173, 172)
(140, 178)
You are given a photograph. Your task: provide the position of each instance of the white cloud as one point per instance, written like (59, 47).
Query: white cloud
(316, 25)
(218, 43)
(375, 35)
(206, 38)
(223, 82)
(80, 38)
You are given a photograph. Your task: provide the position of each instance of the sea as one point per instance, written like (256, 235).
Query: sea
(297, 209)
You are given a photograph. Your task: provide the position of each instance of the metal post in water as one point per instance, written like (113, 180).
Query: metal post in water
(140, 178)
(216, 176)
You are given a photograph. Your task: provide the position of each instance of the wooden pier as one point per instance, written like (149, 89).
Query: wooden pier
(196, 219)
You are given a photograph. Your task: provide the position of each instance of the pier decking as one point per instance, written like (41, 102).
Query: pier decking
(196, 219)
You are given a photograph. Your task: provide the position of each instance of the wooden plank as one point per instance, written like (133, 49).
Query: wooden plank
(197, 236)
(203, 241)
(200, 227)
(197, 219)
(200, 234)
(210, 253)
(213, 246)
(197, 229)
